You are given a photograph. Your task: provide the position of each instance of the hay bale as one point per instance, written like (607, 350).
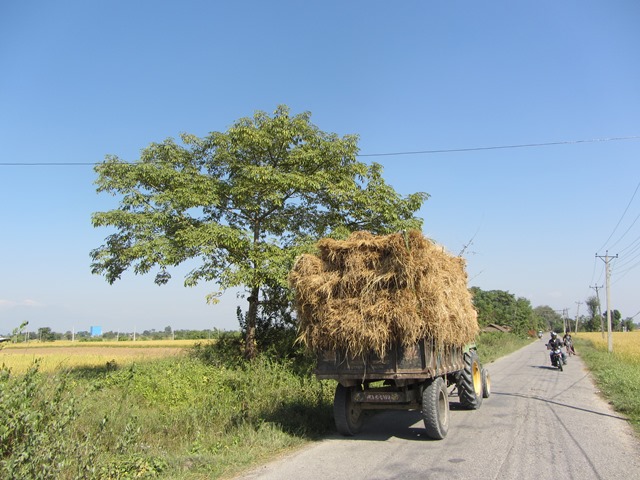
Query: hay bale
(369, 292)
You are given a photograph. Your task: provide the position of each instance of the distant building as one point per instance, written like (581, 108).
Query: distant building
(96, 331)
(494, 327)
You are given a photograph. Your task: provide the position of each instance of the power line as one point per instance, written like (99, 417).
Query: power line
(476, 149)
(623, 214)
(387, 154)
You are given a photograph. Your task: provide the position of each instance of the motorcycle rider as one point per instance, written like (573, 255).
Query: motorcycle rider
(556, 344)
(568, 342)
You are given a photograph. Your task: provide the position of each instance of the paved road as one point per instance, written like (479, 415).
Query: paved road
(539, 424)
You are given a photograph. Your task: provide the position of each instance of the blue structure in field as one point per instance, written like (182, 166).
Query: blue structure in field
(96, 331)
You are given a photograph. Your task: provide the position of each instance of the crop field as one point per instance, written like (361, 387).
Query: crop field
(64, 355)
(626, 345)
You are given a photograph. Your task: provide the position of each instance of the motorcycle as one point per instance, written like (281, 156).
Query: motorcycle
(556, 358)
(569, 345)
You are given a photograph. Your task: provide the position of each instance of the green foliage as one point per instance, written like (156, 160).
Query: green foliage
(503, 308)
(617, 377)
(37, 435)
(549, 318)
(17, 332)
(205, 415)
(493, 345)
(225, 351)
(46, 335)
(242, 204)
(174, 418)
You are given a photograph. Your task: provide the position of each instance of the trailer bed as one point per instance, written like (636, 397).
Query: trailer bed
(417, 362)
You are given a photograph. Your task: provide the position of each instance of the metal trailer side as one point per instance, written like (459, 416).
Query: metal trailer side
(405, 378)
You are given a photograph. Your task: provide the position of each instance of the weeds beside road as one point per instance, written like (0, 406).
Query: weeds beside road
(616, 374)
(187, 416)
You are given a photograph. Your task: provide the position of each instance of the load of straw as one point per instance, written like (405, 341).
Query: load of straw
(369, 292)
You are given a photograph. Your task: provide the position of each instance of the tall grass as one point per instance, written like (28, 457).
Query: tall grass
(493, 345)
(173, 418)
(617, 374)
(206, 415)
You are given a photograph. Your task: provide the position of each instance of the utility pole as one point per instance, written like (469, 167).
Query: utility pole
(599, 309)
(607, 258)
(564, 318)
(577, 311)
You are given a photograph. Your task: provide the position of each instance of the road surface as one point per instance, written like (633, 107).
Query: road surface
(539, 424)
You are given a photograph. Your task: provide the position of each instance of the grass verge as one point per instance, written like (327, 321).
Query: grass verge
(617, 375)
(493, 345)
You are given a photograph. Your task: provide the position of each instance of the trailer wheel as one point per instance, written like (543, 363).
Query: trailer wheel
(435, 409)
(470, 382)
(486, 383)
(346, 413)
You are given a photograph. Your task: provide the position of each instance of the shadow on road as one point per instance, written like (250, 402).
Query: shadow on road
(383, 425)
(547, 400)
(544, 367)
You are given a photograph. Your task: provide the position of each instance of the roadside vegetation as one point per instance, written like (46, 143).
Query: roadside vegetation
(207, 413)
(616, 374)
(179, 417)
(493, 345)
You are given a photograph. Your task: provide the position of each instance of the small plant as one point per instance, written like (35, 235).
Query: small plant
(37, 439)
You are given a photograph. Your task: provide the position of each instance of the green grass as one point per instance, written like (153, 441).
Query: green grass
(617, 377)
(173, 418)
(184, 417)
(493, 345)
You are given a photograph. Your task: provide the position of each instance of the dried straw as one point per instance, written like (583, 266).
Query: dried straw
(369, 292)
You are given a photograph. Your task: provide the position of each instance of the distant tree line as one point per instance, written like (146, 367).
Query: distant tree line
(277, 326)
(504, 309)
(46, 334)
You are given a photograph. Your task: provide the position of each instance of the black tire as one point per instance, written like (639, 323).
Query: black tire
(470, 382)
(346, 413)
(486, 383)
(559, 362)
(435, 409)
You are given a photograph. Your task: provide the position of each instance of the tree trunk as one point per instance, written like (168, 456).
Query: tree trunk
(250, 350)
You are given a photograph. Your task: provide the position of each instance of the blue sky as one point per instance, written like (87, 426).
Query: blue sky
(81, 80)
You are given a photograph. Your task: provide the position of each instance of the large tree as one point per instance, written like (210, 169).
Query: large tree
(503, 308)
(242, 204)
(549, 318)
(594, 321)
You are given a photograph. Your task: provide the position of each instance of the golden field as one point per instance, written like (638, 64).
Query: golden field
(63, 355)
(626, 345)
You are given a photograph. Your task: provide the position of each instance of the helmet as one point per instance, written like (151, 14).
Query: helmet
(554, 334)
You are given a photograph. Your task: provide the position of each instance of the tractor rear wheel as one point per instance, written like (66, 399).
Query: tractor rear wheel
(470, 382)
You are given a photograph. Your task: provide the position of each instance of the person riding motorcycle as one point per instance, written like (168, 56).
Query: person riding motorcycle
(556, 344)
(568, 342)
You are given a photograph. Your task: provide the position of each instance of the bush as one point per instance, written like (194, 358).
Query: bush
(224, 351)
(37, 438)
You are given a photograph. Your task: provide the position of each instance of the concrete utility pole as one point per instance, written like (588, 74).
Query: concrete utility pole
(599, 309)
(607, 258)
(577, 311)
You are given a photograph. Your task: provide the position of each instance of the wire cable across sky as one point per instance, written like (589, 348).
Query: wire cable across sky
(387, 154)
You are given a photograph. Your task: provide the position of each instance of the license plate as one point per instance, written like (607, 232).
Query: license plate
(379, 397)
